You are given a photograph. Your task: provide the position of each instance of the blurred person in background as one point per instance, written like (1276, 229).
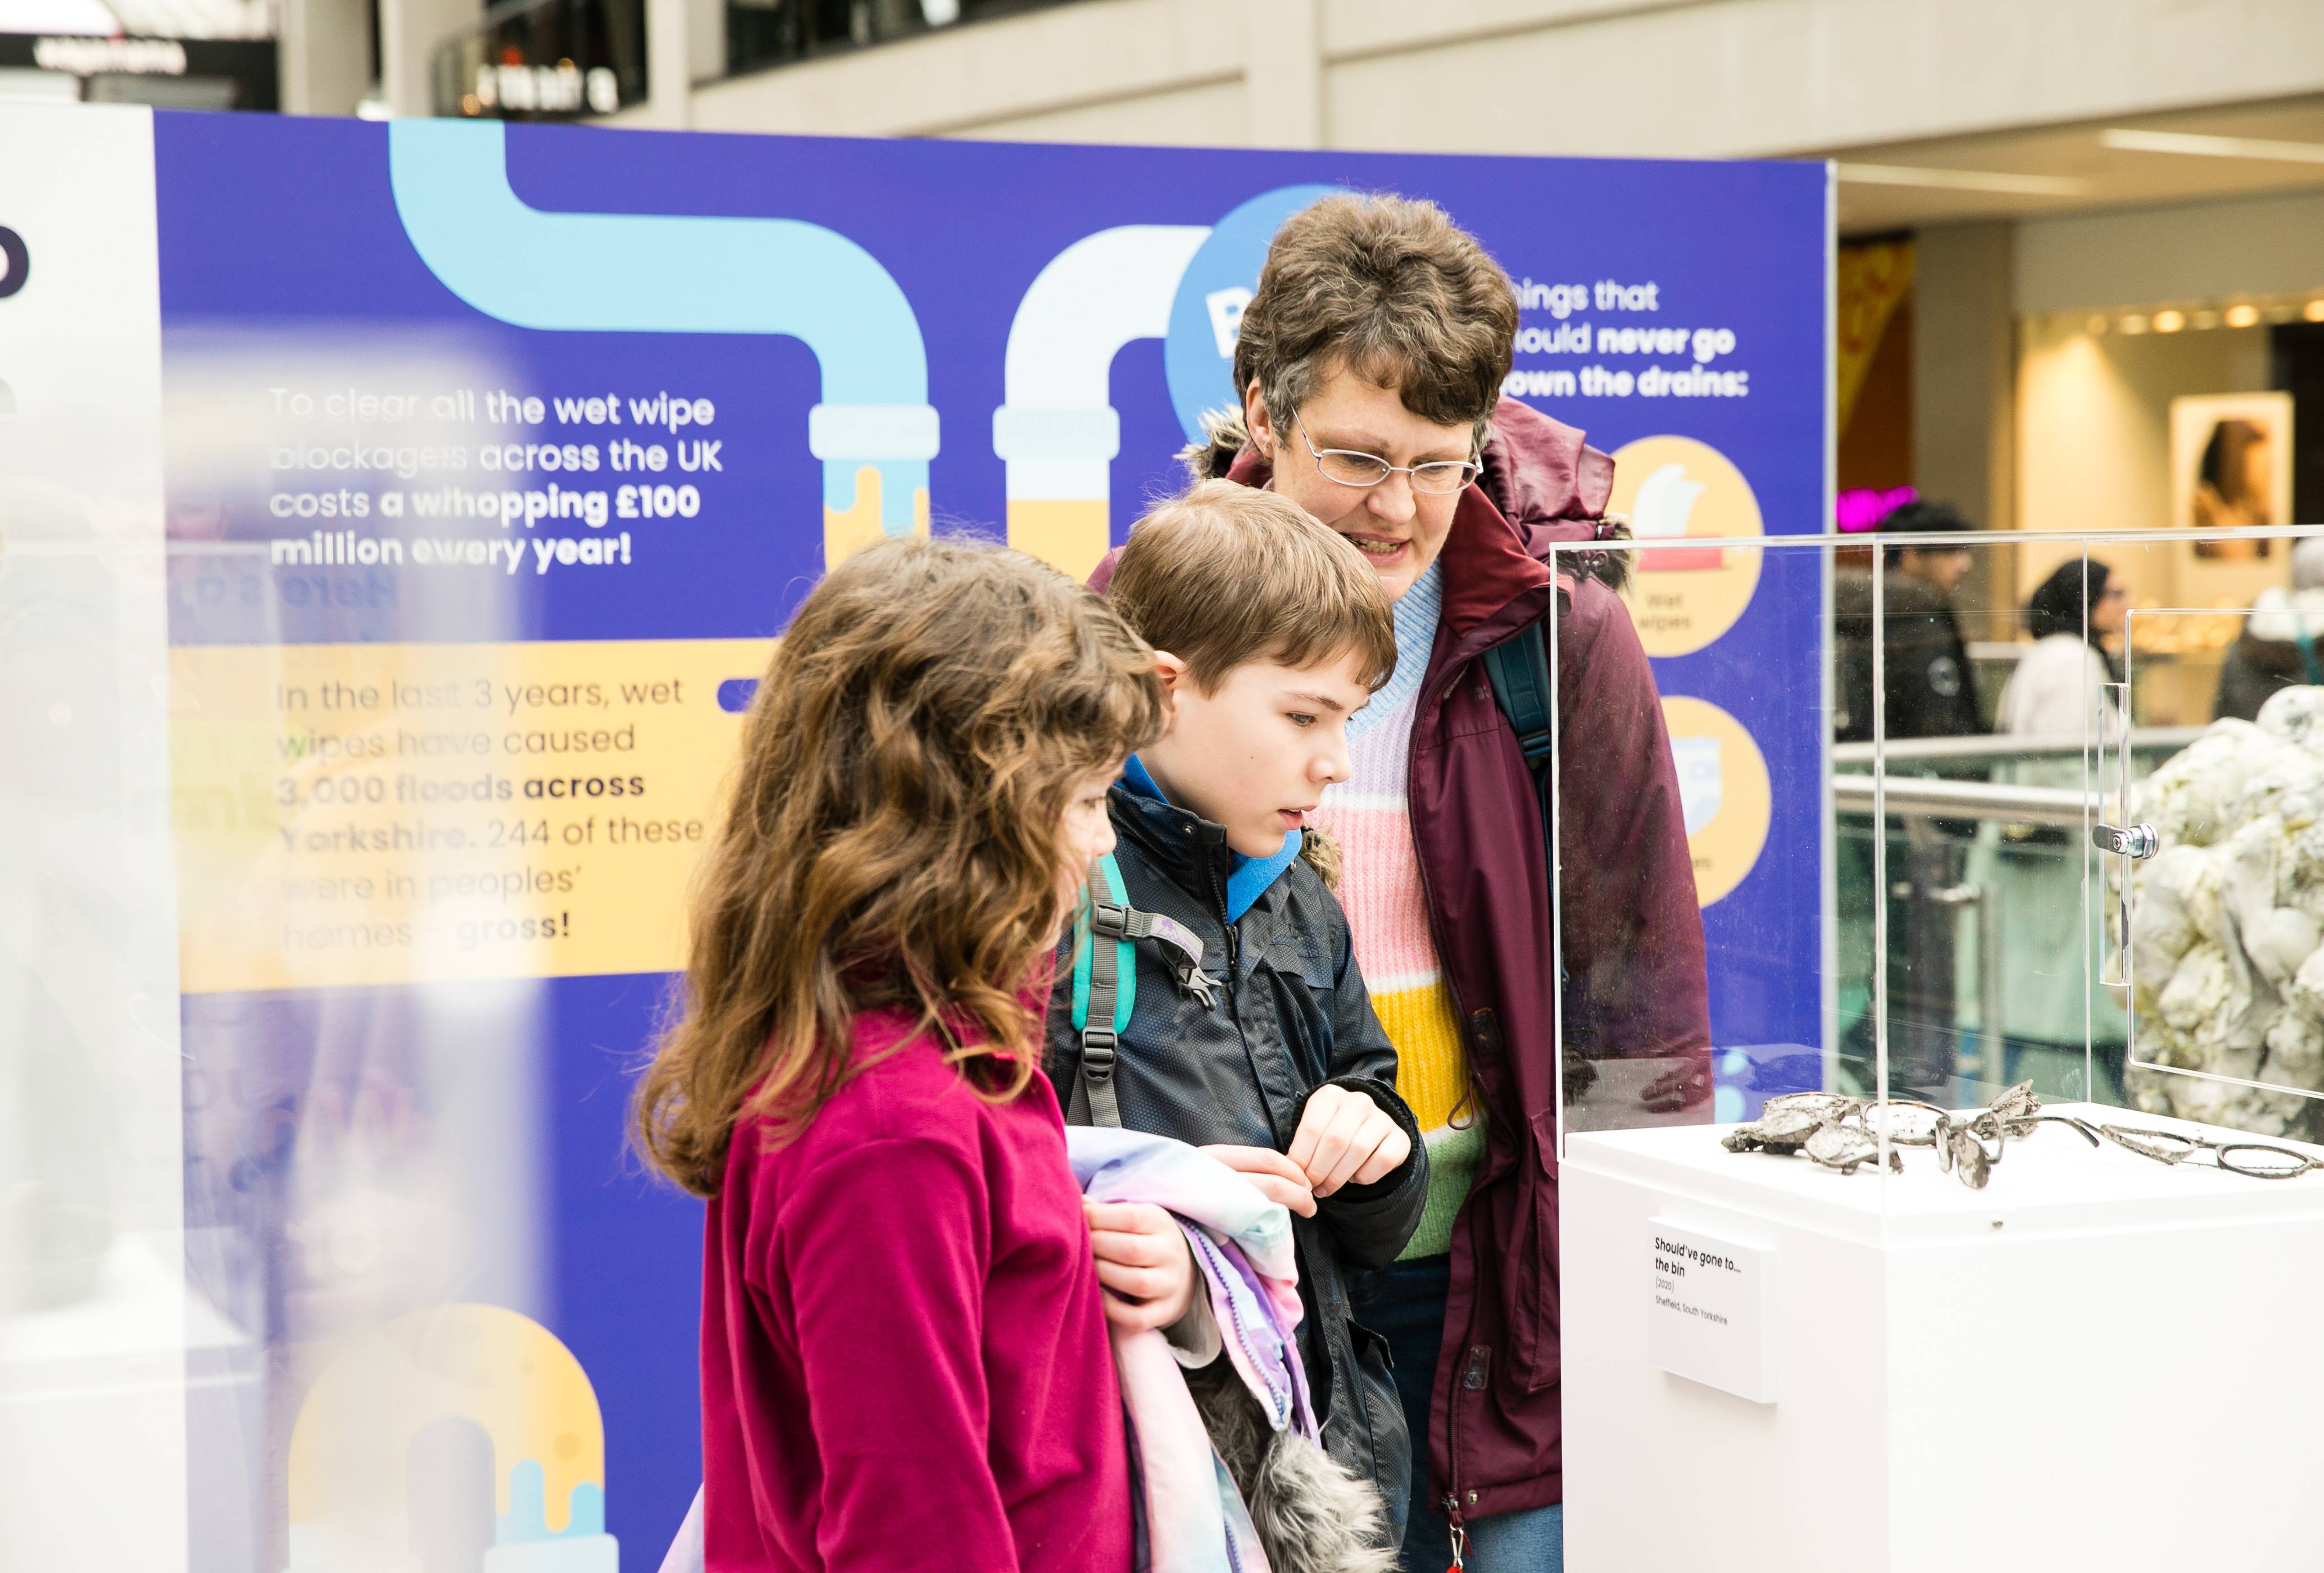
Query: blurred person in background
(2050, 950)
(1926, 690)
(2059, 684)
(2277, 646)
(1927, 681)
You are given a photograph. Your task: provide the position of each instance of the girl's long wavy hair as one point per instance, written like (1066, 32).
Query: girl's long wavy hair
(892, 837)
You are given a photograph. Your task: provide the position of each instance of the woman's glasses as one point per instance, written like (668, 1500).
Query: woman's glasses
(1348, 467)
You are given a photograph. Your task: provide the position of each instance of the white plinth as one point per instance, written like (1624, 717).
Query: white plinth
(2099, 1362)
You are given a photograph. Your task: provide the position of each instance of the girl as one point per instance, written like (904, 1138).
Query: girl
(904, 1347)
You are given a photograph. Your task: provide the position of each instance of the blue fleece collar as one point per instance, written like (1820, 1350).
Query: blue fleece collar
(1247, 877)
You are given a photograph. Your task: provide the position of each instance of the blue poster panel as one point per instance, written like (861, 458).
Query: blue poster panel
(492, 459)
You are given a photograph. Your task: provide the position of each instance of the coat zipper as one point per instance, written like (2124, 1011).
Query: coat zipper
(1474, 1375)
(1480, 1355)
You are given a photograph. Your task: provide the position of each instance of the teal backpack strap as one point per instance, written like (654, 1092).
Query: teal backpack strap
(1519, 670)
(1105, 991)
(1105, 984)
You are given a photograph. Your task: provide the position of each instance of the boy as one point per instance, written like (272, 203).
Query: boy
(1240, 1022)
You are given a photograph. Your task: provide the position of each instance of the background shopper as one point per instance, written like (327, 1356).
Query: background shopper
(2276, 648)
(1927, 689)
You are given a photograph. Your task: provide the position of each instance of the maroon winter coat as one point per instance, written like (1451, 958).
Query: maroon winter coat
(1633, 930)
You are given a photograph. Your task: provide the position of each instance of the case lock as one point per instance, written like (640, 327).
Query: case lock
(2136, 840)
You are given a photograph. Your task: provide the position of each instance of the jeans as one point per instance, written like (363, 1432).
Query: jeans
(1404, 1303)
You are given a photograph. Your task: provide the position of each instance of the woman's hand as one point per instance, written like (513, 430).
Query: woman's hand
(1345, 1139)
(1144, 1264)
(1281, 1180)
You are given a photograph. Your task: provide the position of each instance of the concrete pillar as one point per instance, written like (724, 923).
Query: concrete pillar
(409, 33)
(706, 54)
(1283, 72)
(325, 56)
(1964, 388)
(670, 71)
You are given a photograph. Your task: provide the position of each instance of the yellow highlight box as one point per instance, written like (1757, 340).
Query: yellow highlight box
(356, 814)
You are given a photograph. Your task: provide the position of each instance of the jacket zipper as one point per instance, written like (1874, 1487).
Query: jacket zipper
(1219, 891)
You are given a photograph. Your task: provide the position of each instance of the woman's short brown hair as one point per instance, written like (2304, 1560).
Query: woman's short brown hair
(892, 836)
(1227, 573)
(1390, 290)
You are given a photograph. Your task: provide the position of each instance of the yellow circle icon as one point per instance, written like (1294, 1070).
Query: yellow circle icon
(1723, 792)
(1682, 598)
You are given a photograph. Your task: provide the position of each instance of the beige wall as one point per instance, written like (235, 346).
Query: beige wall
(325, 56)
(1678, 78)
(2094, 435)
(2260, 245)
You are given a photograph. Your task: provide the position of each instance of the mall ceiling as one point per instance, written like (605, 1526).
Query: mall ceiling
(2186, 156)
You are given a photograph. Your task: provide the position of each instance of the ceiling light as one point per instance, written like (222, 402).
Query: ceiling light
(2242, 316)
(2169, 321)
(1962, 180)
(2213, 147)
(2314, 311)
(2134, 323)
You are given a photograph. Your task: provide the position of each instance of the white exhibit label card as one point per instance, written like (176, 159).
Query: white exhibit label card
(1711, 1318)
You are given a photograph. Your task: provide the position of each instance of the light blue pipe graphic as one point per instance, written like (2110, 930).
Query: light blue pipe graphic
(606, 272)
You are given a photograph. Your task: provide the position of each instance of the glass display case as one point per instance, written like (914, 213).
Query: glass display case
(1893, 818)
(2005, 1020)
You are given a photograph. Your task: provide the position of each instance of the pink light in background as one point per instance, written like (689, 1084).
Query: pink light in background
(1864, 508)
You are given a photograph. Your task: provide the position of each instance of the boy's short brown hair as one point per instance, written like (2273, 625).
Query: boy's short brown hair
(1391, 290)
(1226, 574)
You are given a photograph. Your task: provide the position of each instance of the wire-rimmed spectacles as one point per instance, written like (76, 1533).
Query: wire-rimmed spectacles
(1351, 467)
(2253, 1160)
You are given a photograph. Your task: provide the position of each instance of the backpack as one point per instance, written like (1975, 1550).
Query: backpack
(1105, 983)
(1519, 670)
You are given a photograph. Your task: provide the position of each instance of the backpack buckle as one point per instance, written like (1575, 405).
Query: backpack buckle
(1098, 1045)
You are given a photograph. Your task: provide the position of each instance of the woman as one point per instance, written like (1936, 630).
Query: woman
(2051, 946)
(1370, 367)
(2059, 683)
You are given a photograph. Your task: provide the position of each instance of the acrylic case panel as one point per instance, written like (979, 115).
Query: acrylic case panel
(1981, 764)
(2222, 693)
(1894, 876)
(1694, 859)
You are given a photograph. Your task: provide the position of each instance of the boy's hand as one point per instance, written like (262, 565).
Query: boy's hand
(1345, 1139)
(1277, 1176)
(1143, 1262)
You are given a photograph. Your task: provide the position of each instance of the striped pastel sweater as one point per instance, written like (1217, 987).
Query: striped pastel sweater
(1379, 885)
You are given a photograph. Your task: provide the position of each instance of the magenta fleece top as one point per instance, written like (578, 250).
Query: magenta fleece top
(904, 1354)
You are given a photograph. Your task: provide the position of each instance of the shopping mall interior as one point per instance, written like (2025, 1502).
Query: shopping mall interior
(1786, 1031)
